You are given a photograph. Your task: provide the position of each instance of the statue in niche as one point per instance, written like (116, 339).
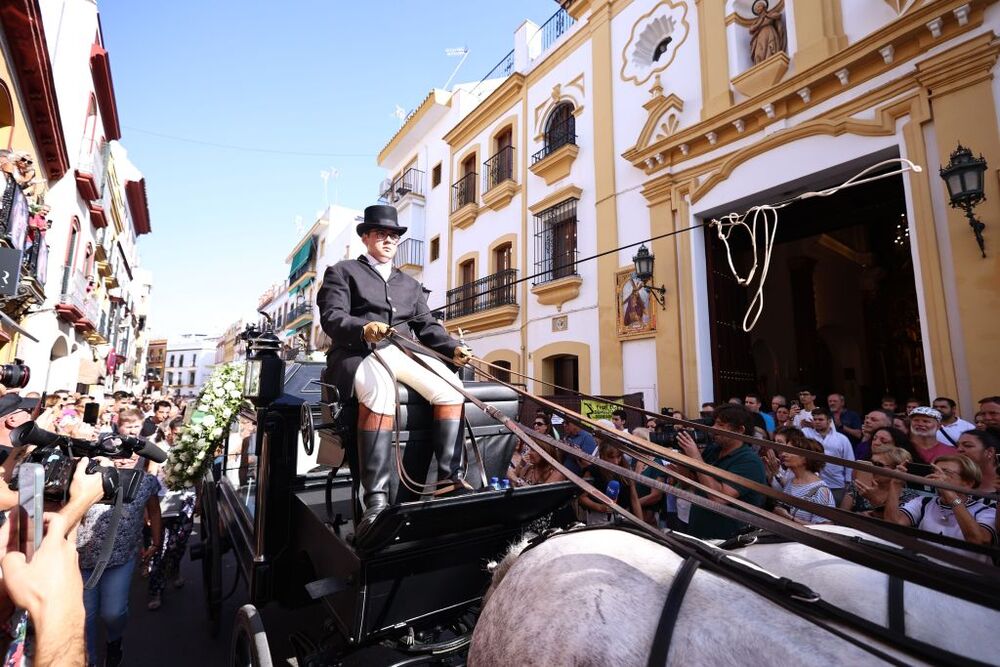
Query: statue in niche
(767, 31)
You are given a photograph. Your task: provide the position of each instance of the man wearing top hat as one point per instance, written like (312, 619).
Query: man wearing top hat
(360, 301)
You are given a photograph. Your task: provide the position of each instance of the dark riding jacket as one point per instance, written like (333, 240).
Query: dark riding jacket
(353, 294)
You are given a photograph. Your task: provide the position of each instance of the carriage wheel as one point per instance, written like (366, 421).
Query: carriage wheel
(211, 556)
(249, 647)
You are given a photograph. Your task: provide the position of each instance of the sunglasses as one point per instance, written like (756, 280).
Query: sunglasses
(540, 424)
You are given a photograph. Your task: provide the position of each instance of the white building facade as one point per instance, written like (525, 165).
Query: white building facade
(89, 327)
(619, 122)
(190, 359)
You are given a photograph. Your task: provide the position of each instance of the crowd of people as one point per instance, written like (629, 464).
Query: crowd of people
(931, 441)
(76, 587)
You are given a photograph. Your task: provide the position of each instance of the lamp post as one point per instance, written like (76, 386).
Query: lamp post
(265, 369)
(643, 261)
(964, 178)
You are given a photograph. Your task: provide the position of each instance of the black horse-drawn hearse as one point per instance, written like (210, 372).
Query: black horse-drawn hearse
(286, 506)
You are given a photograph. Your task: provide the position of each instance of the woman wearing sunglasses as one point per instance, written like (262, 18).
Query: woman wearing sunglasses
(868, 493)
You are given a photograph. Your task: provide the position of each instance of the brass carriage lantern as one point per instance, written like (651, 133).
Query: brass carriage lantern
(265, 369)
(964, 178)
(643, 261)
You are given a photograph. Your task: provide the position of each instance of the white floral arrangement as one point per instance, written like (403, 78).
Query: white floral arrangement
(204, 427)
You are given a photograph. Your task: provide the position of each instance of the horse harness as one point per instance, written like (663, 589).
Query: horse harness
(786, 593)
(789, 594)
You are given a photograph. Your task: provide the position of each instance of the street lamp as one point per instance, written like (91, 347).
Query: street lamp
(964, 178)
(643, 261)
(265, 370)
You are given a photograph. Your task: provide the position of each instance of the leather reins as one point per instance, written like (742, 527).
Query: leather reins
(683, 545)
(750, 439)
(984, 592)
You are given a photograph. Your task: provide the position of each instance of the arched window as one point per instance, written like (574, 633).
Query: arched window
(560, 128)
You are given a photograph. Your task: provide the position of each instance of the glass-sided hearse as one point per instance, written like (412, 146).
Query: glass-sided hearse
(284, 500)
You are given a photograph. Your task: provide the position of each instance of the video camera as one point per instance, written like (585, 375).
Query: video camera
(667, 437)
(58, 455)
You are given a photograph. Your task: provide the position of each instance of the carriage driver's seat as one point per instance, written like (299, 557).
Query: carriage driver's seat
(414, 420)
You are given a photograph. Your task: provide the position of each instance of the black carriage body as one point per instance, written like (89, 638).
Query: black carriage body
(426, 558)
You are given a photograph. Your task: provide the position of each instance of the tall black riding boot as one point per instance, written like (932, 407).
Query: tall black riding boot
(449, 445)
(376, 452)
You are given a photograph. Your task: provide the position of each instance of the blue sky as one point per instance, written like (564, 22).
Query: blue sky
(296, 78)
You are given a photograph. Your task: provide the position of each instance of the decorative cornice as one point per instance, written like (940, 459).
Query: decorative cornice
(500, 194)
(557, 292)
(908, 36)
(556, 165)
(553, 198)
(463, 217)
(960, 67)
(488, 319)
(495, 104)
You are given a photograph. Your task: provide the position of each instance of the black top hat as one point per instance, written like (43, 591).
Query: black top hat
(380, 216)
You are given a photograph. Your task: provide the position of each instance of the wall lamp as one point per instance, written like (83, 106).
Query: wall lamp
(643, 261)
(964, 178)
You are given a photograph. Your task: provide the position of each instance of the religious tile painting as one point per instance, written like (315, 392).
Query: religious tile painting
(635, 312)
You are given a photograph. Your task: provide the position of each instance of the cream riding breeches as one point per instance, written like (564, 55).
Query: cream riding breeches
(376, 390)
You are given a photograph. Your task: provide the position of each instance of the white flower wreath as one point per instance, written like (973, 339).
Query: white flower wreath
(217, 404)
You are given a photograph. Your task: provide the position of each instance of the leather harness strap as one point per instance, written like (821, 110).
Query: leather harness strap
(897, 613)
(984, 588)
(793, 595)
(760, 442)
(671, 609)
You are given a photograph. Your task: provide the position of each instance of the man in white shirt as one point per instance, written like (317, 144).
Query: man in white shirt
(952, 425)
(834, 444)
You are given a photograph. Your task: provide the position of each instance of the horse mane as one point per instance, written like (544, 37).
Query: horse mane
(499, 569)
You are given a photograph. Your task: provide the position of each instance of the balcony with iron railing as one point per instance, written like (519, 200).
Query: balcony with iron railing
(34, 267)
(499, 186)
(463, 201)
(554, 161)
(409, 255)
(557, 135)
(301, 272)
(409, 183)
(299, 314)
(482, 304)
(538, 43)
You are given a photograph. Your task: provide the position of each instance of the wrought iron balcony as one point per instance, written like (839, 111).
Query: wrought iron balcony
(36, 259)
(464, 191)
(480, 295)
(410, 252)
(554, 28)
(557, 135)
(411, 182)
(302, 311)
(499, 168)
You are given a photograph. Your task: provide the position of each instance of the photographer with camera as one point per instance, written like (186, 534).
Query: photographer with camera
(108, 539)
(48, 587)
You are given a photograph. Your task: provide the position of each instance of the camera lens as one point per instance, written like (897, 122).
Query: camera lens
(15, 375)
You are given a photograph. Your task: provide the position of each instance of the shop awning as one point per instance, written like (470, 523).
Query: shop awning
(301, 256)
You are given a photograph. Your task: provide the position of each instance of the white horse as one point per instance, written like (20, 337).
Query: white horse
(595, 597)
